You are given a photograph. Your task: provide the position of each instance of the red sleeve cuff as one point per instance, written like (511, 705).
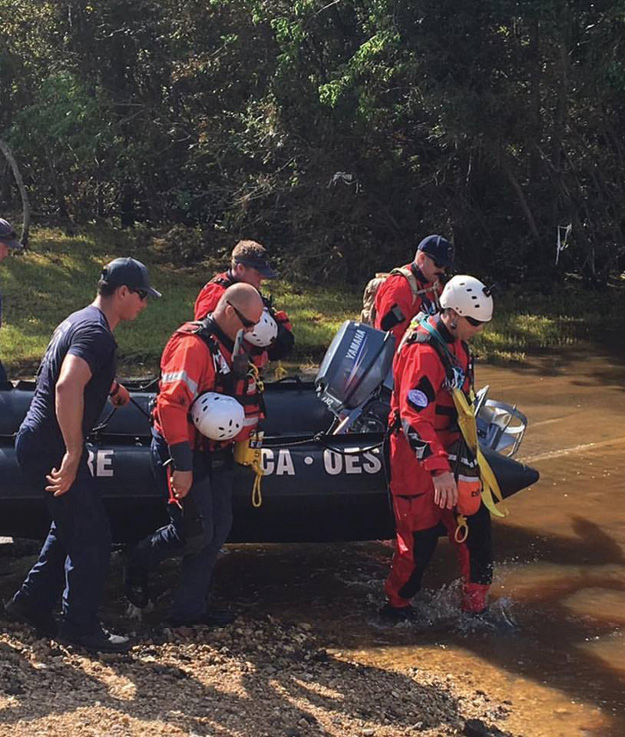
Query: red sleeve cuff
(436, 463)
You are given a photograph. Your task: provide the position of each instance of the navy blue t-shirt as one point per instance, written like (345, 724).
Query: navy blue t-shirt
(85, 334)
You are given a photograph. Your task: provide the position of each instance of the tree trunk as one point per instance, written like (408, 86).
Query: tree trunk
(8, 154)
(518, 190)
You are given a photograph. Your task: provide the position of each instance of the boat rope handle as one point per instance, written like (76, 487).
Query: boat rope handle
(140, 408)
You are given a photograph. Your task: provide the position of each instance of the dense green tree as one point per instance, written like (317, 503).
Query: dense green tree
(338, 131)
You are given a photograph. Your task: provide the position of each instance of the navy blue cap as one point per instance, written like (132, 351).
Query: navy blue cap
(439, 249)
(254, 256)
(8, 236)
(261, 265)
(130, 273)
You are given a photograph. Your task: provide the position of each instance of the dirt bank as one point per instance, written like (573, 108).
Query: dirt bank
(266, 675)
(259, 677)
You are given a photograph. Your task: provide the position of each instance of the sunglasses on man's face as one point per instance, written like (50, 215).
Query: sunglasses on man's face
(475, 323)
(244, 321)
(142, 293)
(436, 263)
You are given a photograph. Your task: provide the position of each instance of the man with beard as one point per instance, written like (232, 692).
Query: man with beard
(413, 288)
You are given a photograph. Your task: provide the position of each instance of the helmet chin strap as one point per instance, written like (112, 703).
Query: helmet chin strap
(450, 322)
(238, 341)
(240, 358)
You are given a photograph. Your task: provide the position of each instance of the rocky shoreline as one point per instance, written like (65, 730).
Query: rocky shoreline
(258, 677)
(276, 672)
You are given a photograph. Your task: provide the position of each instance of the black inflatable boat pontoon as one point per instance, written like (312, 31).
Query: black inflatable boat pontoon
(317, 486)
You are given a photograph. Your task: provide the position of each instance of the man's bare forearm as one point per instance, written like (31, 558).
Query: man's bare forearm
(70, 402)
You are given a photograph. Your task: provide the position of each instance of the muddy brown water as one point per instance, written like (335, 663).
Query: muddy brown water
(560, 573)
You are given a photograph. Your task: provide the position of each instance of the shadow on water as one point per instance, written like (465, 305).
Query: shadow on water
(585, 364)
(338, 589)
(275, 663)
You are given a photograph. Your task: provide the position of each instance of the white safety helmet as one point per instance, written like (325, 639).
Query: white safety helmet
(217, 416)
(467, 296)
(264, 332)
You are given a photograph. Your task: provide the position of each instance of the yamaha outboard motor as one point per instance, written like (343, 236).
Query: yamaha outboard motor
(353, 370)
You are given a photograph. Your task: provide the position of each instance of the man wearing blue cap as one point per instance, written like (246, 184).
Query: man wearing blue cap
(8, 243)
(75, 377)
(413, 288)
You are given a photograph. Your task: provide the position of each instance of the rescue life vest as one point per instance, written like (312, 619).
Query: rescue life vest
(469, 445)
(470, 467)
(368, 312)
(236, 377)
(223, 280)
(237, 383)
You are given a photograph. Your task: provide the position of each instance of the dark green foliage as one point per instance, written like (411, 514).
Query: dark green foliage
(339, 133)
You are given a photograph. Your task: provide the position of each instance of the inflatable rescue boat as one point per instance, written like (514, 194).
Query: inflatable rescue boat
(323, 462)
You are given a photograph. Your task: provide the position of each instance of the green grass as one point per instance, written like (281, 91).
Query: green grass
(526, 322)
(58, 275)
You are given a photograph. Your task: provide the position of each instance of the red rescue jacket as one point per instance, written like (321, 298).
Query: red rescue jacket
(210, 295)
(191, 364)
(423, 416)
(394, 295)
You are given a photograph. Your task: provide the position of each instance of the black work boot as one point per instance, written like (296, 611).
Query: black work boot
(101, 641)
(211, 618)
(136, 583)
(395, 614)
(19, 609)
(137, 590)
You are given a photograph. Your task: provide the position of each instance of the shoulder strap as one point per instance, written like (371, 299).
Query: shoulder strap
(203, 329)
(443, 353)
(223, 281)
(410, 277)
(431, 336)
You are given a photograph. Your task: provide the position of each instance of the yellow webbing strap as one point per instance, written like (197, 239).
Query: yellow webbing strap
(491, 493)
(462, 529)
(257, 493)
(279, 372)
(249, 452)
(255, 374)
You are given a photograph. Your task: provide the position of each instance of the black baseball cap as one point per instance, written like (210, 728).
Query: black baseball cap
(130, 273)
(439, 249)
(8, 236)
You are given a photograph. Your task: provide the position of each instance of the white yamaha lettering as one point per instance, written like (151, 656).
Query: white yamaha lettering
(355, 344)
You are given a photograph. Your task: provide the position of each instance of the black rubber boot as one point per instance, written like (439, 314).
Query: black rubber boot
(18, 609)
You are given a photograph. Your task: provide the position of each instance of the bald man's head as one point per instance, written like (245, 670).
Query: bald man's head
(239, 308)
